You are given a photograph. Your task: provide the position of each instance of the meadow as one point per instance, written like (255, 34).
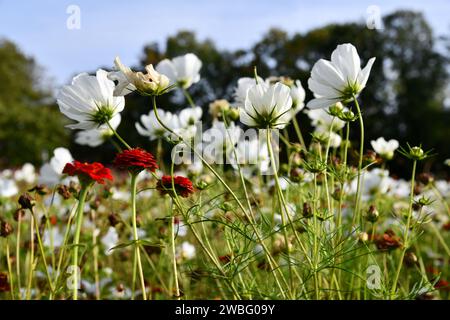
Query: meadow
(237, 208)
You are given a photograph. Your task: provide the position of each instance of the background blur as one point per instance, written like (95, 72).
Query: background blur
(42, 48)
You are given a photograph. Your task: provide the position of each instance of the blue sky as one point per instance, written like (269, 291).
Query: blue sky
(110, 28)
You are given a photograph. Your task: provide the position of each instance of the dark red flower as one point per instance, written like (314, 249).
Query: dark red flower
(446, 226)
(88, 171)
(135, 160)
(442, 285)
(4, 284)
(183, 186)
(387, 241)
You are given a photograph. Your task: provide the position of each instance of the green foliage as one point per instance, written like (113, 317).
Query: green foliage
(30, 122)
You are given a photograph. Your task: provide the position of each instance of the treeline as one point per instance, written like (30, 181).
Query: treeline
(404, 99)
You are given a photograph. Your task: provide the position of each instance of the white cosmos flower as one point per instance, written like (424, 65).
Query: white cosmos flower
(188, 119)
(243, 85)
(297, 91)
(298, 96)
(8, 188)
(384, 148)
(150, 127)
(110, 240)
(190, 116)
(89, 100)
(219, 140)
(339, 79)
(186, 251)
(95, 137)
(51, 172)
(335, 139)
(252, 152)
(183, 70)
(149, 83)
(52, 237)
(373, 182)
(321, 118)
(267, 106)
(27, 173)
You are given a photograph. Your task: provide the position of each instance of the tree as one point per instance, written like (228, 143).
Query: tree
(30, 123)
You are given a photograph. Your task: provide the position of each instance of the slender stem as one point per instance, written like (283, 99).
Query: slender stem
(118, 136)
(62, 252)
(298, 132)
(8, 262)
(315, 243)
(408, 222)
(135, 235)
(272, 263)
(326, 168)
(41, 248)
(76, 241)
(95, 262)
(356, 217)
(282, 205)
(19, 224)
(173, 253)
(188, 98)
(31, 264)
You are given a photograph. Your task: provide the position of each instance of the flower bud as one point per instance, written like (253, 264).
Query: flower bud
(218, 107)
(19, 214)
(372, 214)
(337, 194)
(410, 259)
(347, 116)
(363, 237)
(5, 229)
(233, 114)
(4, 284)
(40, 189)
(26, 201)
(296, 175)
(425, 178)
(336, 109)
(64, 192)
(113, 219)
(307, 211)
(416, 153)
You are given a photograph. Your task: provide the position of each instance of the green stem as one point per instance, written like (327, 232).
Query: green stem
(8, 262)
(118, 136)
(188, 98)
(76, 241)
(137, 252)
(282, 205)
(408, 222)
(298, 132)
(19, 223)
(273, 264)
(31, 264)
(356, 216)
(173, 253)
(41, 248)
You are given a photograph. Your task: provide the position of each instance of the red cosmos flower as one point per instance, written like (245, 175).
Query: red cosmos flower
(387, 241)
(135, 160)
(183, 186)
(88, 171)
